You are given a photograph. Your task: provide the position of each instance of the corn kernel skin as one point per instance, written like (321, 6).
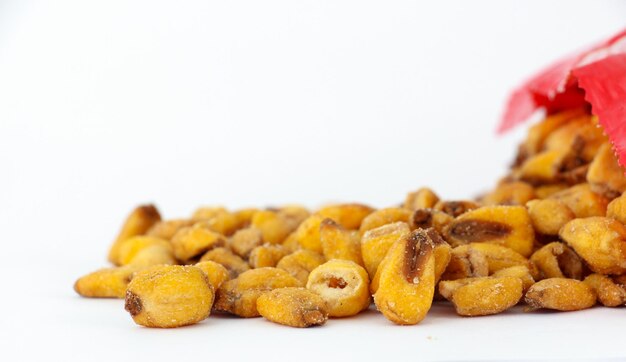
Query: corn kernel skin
(340, 243)
(294, 307)
(234, 264)
(423, 198)
(266, 255)
(386, 216)
(344, 286)
(349, 216)
(608, 292)
(376, 242)
(482, 296)
(556, 260)
(193, 241)
(548, 216)
(216, 273)
(406, 284)
(300, 264)
(600, 241)
(138, 222)
(239, 296)
(605, 175)
(560, 294)
(169, 296)
(105, 283)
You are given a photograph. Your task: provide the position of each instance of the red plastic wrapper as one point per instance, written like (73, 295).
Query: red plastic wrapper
(596, 77)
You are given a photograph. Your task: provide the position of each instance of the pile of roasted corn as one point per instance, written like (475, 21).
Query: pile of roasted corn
(550, 235)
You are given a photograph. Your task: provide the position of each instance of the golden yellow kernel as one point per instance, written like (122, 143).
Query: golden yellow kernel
(105, 283)
(244, 216)
(137, 223)
(510, 193)
(497, 256)
(605, 175)
(376, 242)
(291, 243)
(383, 217)
(466, 262)
(406, 281)
(168, 228)
(456, 208)
(617, 209)
(191, 242)
(482, 296)
(339, 243)
(294, 307)
(556, 260)
(543, 167)
(560, 294)
(549, 215)
(239, 296)
(308, 233)
(216, 273)
(519, 271)
(274, 226)
(427, 218)
(233, 263)
(350, 216)
(608, 293)
(168, 296)
(245, 240)
(423, 198)
(154, 255)
(300, 263)
(295, 214)
(266, 255)
(217, 219)
(600, 241)
(130, 247)
(538, 133)
(344, 286)
(508, 226)
(442, 252)
(582, 201)
(545, 191)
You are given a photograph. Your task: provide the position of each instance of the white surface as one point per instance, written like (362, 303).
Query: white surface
(104, 105)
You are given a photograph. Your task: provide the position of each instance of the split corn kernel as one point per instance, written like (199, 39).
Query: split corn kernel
(383, 217)
(294, 307)
(548, 216)
(106, 283)
(234, 264)
(300, 264)
(266, 255)
(169, 296)
(193, 241)
(340, 243)
(239, 296)
(245, 240)
(137, 223)
(406, 282)
(556, 260)
(608, 292)
(350, 216)
(482, 296)
(423, 198)
(216, 273)
(560, 294)
(376, 242)
(344, 286)
(605, 175)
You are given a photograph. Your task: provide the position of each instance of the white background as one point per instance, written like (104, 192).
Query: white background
(107, 104)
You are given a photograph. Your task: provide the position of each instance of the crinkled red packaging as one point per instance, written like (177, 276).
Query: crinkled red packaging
(596, 77)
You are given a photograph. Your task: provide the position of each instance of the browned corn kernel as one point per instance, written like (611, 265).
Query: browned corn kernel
(497, 256)
(233, 263)
(466, 262)
(168, 296)
(294, 307)
(376, 242)
(344, 286)
(129, 249)
(300, 263)
(510, 193)
(582, 201)
(105, 283)
(167, 229)
(456, 208)
(383, 217)
(350, 216)
(217, 219)
(581, 134)
(617, 209)
(600, 241)
(406, 282)
(482, 296)
(308, 233)
(266, 255)
(154, 255)
(548, 216)
(508, 226)
(191, 242)
(216, 273)
(538, 133)
(608, 293)
(545, 191)
(339, 243)
(605, 175)
(560, 294)
(239, 296)
(426, 218)
(274, 226)
(556, 260)
(519, 271)
(137, 223)
(543, 167)
(244, 240)
(423, 198)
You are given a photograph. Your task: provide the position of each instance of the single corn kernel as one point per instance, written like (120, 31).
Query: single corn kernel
(545, 191)
(383, 217)
(350, 216)
(274, 226)
(582, 201)
(543, 167)
(191, 242)
(245, 240)
(244, 216)
(466, 262)
(456, 208)
(497, 256)
(308, 233)
(617, 209)
(234, 264)
(239, 296)
(600, 241)
(339, 243)
(538, 133)
(106, 283)
(216, 273)
(169, 296)
(510, 193)
(376, 242)
(548, 216)
(168, 228)
(556, 260)
(295, 214)
(217, 219)
(605, 175)
(482, 296)
(291, 244)
(608, 293)
(130, 247)
(137, 223)
(406, 282)
(294, 307)
(344, 286)
(560, 294)
(427, 218)
(423, 198)
(508, 226)
(154, 255)
(300, 263)
(581, 134)
(519, 271)
(267, 255)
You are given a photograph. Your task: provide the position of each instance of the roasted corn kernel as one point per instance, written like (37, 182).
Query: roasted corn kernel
(350, 216)
(426, 218)
(168, 228)
(234, 264)
(308, 233)
(191, 242)
(266, 255)
(510, 193)
(105, 283)
(423, 198)
(339, 243)
(137, 223)
(376, 242)
(466, 262)
(556, 260)
(216, 273)
(582, 201)
(273, 225)
(482, 296)
(245, 240)
(300, 264)
(617, 209)
(130, 248)
(549, 215)
(608, 292)
(605, 175)
(295, 307)
(456, 208)
(560, 294)
(519, 271)
(383, 217)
